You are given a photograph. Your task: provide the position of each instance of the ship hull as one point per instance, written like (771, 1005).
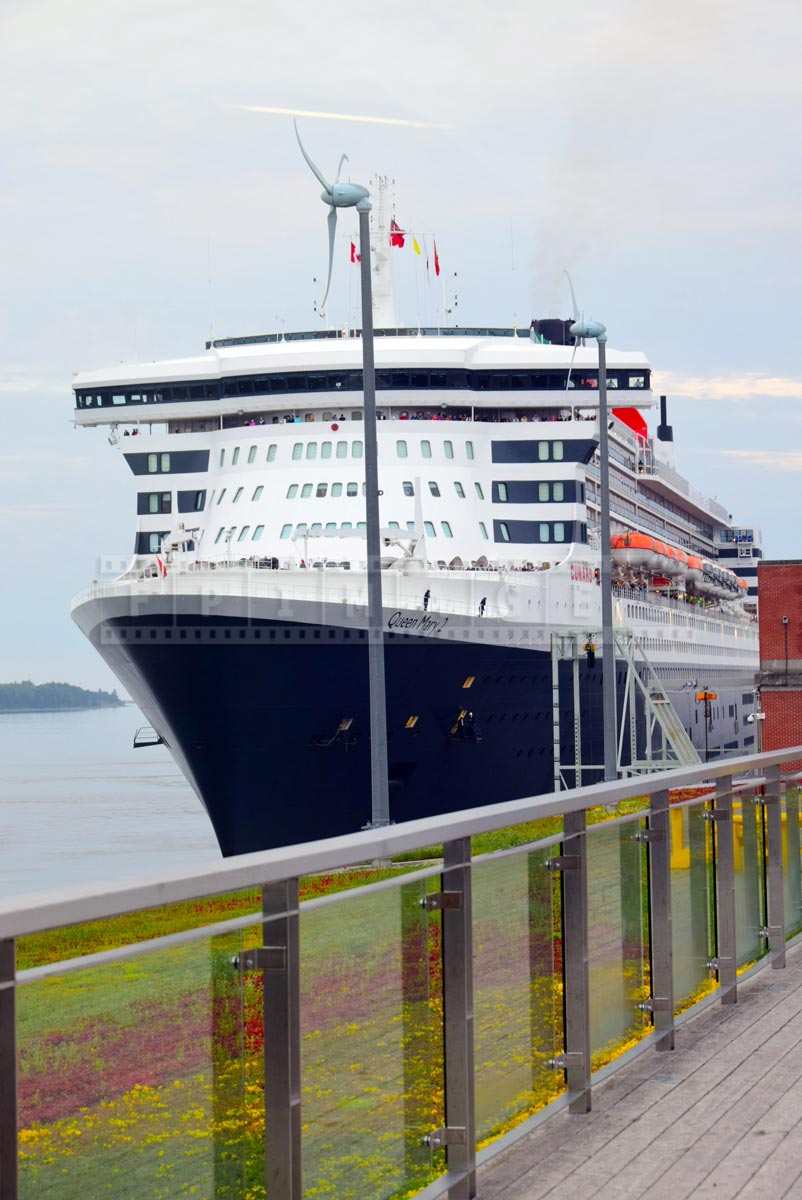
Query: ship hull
(269, 718)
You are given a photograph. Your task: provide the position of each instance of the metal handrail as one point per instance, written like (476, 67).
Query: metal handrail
(20, 916)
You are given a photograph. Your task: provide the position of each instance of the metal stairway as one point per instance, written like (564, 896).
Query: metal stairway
(673, 747)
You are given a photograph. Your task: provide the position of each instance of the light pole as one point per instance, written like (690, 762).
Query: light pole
(353, 195)
(594, 329)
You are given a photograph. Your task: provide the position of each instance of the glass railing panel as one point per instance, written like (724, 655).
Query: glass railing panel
(371, 1044)
(618, 956)
(517, 996)
(131, 1079)
(747, 833)
(691, 904)
(792, 888)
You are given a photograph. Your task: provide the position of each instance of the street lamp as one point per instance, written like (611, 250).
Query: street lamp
(353, 195)
(594, 329)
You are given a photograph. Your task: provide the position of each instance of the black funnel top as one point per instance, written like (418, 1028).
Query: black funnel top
(664, 431)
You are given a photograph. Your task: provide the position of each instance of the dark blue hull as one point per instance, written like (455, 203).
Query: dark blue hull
(254, 711)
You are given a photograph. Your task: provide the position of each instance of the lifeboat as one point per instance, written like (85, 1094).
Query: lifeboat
(636, 551)
(694, 571)
(663, 564)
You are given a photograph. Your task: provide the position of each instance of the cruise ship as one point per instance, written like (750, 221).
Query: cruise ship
(239, 626)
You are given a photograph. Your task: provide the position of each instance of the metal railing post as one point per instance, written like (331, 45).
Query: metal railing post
(662, 951)
(282, 1045)
(725, 961)
(575, 962)
(775, 890)
(460, 1111)
(9, 1166)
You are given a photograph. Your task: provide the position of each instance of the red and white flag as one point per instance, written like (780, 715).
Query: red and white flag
(436, 259)
(396, 234)
(162, 568)
(355, 256)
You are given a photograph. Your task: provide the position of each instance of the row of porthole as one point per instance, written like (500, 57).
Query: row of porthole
(318, 528)
(402, 449)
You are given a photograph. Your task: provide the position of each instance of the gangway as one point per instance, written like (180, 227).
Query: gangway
(667, 744)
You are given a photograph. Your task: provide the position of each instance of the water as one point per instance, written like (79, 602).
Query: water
(78, 805)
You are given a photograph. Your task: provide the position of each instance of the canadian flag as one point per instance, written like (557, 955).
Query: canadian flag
(354, 256)
(396, 234)
(162, 568)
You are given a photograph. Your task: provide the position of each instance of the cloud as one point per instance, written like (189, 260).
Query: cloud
(15, 381)
(32, 512)
(728, 387)
(768, 460)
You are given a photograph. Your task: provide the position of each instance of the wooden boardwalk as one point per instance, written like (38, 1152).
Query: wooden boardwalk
(720, 1116)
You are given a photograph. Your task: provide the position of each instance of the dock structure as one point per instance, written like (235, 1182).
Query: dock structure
(596, 992)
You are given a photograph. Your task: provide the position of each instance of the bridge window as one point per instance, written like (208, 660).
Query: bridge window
(243, 533)
(306, 491)
(479, 491)
(426, 449)
(459, 489)
(331, 526)
(256, 495)
(237, 494)
(429, 527)
(543, 451)
(257, 533)
(483, 530)
(336, 490)
(322, 489)
(433, 488)
(342, 449)
(271, 452)
(297, 451)
(504, 530)
(325, 450)
(502, 492)
(469, 449)
(252, 454)
(401, 449)
(222, 458)
(559, 531)
(286, 530)
(393, 525)
(542, 491)
(351, 489)
(220, 497)
(311, 449)
(356, 450)
(446, 528)
(292, 491)
(220, 533)
(558, 491)
(449, 449)
(409, 490)
(235, 456)
(160, 502)
(557, 451)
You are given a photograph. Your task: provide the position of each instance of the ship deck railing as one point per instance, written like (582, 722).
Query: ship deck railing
(338, 585)
(275, 1024)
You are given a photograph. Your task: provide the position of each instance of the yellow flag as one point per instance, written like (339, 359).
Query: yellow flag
(415, 245)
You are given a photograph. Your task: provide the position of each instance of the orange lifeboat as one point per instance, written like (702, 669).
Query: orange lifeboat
(695, 571)
(634, 550)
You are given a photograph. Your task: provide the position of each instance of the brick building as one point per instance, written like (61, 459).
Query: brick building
(780, 679)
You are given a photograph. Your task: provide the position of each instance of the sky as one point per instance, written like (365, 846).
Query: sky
(651, 149)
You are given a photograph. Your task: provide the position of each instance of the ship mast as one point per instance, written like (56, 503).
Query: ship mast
(385, 314)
